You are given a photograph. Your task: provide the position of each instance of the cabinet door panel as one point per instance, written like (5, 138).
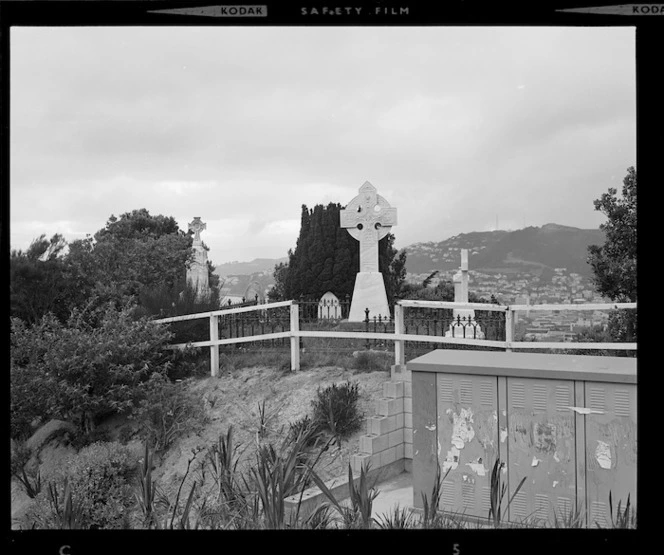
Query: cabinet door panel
(467, 440)
(541, 447)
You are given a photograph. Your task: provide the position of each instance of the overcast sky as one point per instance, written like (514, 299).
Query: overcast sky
(455, 127)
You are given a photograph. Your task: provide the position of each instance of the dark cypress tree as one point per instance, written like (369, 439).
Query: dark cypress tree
(327, 258)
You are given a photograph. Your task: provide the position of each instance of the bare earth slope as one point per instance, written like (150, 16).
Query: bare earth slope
(233, 399)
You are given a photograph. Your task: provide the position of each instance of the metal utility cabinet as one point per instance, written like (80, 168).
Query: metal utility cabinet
(567, 423)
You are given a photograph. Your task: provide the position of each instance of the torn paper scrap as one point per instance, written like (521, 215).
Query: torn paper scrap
(603, 454)
(451, 460)
(503, 435)
(462, 432)
(478, 468)
(556, 457)
(584, 410)
(535, 462)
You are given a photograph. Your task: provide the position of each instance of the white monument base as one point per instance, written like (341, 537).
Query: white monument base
(472, 328)
(369, 292)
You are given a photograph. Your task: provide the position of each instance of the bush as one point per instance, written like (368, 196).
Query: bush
(85, 369)
(335, 408)
(100, 477)
(305, 426)
(165, 412)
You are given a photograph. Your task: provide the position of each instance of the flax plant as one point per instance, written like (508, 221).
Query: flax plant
(498, 490)
(622, 519)
(68, 514)
(399, 518)
(146, 490)
(574, 518)
(278, 475)
(183, 521)
(430, 505)
(358, 515)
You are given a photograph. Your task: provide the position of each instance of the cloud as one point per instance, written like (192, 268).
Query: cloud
(243, 125)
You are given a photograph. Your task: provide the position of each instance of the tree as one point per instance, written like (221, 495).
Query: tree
(614, 263)
(131, 253)
(41, 281)
(327, 258)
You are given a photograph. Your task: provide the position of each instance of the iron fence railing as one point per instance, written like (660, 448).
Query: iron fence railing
(417, 324)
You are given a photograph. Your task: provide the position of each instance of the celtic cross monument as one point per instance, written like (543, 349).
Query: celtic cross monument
(368, 218)
(197, 274)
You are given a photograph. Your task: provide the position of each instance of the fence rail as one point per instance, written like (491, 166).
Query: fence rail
(285, 326)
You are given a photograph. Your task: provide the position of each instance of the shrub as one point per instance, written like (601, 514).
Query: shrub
(85, 369)
(99, 478)
(165, 412)
(335, 409)
(305, 426)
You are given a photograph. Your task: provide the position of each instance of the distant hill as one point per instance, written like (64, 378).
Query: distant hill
(257, 265)
(533, 248)
(539, 249)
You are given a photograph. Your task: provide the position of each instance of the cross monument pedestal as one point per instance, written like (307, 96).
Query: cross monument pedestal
(368, 218)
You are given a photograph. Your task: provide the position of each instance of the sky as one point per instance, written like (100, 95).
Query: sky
(460, 128)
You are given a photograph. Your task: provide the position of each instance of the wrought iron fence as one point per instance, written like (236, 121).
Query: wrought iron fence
(323, 310)
(492, 327)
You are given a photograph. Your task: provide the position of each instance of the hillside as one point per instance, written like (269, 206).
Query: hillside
(530, 249)
(547, 247)
(233, 400)
(256, 266)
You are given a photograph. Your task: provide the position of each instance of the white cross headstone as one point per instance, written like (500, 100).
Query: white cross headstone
(467, 316)
(368, 218)
(329, 307)
(197, 273)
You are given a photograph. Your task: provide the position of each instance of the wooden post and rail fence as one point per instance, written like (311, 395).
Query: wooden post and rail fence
(399, 336)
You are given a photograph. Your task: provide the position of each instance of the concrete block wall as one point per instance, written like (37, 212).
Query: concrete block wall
(389, 433)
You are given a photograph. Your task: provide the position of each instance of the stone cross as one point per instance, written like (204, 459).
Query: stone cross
(368, 218)
(197, 226)
(467, 316)
(461, 279)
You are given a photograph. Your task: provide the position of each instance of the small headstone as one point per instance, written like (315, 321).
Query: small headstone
(329, 307)
(368, 218)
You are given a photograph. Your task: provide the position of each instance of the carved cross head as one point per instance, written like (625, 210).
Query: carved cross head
(368, 211)
(197, 226)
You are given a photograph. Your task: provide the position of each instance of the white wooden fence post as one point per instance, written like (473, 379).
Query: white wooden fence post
(214, 349)
(295, 340)
(399, 353)
(509, 329)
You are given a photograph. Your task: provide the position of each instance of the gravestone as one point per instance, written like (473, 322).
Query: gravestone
(197, 274)
(466, 316)
(329, 307)
(368, 218)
